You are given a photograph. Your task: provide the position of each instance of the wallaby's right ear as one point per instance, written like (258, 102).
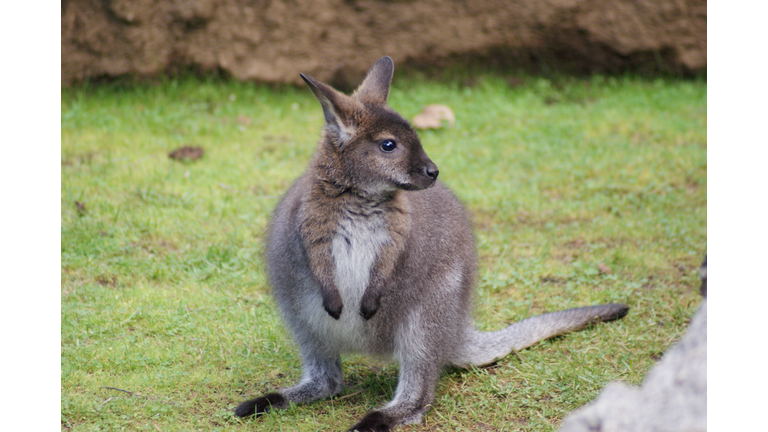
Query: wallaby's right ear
(375, 86)
(337, 107)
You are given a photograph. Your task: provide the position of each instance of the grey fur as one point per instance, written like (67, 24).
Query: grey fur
(368, 253)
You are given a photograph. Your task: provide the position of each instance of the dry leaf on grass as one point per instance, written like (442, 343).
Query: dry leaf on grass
(604, 269)
(433, 116)
(187, 152)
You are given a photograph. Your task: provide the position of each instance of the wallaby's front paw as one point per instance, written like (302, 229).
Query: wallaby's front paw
(260, 405)
(333, 305)
(369, 305)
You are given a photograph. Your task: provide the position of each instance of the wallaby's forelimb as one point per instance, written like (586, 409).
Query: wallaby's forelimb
(380, 274)
(384, 266)
(328, 291)
(318, 237)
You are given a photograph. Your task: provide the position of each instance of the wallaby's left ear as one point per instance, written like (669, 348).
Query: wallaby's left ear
(337, 108)
(375, 87)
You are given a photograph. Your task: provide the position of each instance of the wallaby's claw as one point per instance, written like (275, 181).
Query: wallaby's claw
(333, 305)
(367, 313)
(369, 306)
(334, 313)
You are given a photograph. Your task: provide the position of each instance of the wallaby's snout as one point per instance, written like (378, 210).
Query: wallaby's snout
(427, 175)
(423, 173)
(431, 171)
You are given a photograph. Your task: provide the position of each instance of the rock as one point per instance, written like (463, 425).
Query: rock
(337, 40)
(673, 396)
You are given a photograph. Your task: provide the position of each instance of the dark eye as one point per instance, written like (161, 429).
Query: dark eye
(388, 146)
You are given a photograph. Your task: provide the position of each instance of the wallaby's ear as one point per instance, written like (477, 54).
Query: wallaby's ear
(375, 87)
(337, 107)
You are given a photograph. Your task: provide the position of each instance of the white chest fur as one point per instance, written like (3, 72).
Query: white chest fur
(355, 248)
(358, 240)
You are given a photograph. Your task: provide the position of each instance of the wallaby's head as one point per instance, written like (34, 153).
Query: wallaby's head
(366, 146)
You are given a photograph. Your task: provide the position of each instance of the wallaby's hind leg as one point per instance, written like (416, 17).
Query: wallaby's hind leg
(322, 378)
(420, 362)
(413, 396)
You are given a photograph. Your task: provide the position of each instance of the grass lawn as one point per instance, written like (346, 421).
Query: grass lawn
(582, 191)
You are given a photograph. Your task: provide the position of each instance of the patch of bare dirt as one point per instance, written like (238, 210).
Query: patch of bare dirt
(338, 40)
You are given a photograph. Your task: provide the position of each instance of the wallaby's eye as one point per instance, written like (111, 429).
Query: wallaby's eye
(388, 146)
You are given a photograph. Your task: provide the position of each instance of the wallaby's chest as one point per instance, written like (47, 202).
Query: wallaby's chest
(359, 237)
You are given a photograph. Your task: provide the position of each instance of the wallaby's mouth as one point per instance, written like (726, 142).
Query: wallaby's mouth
(415, 187)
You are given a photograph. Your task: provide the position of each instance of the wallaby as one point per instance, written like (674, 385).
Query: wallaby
(368, 253)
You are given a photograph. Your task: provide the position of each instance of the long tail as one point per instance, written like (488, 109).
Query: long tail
(484, 348)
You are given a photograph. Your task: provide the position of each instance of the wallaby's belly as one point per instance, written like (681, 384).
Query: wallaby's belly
(355, 247)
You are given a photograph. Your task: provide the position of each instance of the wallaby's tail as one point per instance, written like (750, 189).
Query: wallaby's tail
(484, 348)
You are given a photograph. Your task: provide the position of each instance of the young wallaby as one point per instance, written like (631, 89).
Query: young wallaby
(368, 253)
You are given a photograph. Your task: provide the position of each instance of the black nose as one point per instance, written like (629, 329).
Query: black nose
(431, 171)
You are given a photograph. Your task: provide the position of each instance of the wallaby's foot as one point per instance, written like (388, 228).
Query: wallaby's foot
(322, 378)
(260, 405)
(374, 421)
(332, 303)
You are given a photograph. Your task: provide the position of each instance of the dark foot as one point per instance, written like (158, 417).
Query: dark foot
(260, 405)
(374, 421)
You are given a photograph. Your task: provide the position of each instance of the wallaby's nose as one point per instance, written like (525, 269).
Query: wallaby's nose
(431, 170)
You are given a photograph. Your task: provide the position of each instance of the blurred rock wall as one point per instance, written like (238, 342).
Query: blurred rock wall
(673, 397)
(338, 40)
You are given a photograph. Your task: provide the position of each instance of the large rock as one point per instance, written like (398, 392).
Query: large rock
(337, 40)
(673, 396)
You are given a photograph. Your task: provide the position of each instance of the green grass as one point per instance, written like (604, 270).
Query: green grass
(163, 287)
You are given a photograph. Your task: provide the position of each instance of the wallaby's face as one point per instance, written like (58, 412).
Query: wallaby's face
(384, 153)
(366, 145)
